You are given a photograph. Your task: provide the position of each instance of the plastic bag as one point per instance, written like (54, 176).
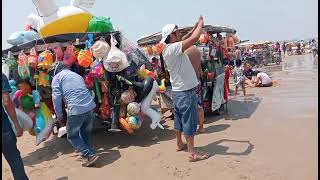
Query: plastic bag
(24, 120)
(116, 60)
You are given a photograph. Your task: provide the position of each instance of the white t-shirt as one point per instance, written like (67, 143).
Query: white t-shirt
(264, 78)
(182, 74)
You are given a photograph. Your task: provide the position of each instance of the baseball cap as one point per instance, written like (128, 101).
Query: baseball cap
(167, 30)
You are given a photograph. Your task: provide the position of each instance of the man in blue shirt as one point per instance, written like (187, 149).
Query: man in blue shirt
(70, 87)
(9, 140)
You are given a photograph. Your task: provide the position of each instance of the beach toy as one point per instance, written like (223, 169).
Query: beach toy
(116, 60)
(98, 91)
(43, 79)
(45, 59)
(27, 102)
(124, 124)
(23, 69)
(133, 109)
(89, 81)
(32, 58)
(54, 20)
(134, 122)
(97, 70)
(11, 62)
(58, 52)
(128, 96)
(69, 56)
(13, 87)
(100, 49)
(21, 37)
(24, 121)
(100, 24)
(85, 58)
(162, 87)
(104, 109)
(36, 98)
(145, 107)
(143, 73)
(44, 123)
(16, 98)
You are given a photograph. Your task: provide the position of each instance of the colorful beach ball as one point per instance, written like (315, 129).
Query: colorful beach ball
(134, 122)
(133, 108)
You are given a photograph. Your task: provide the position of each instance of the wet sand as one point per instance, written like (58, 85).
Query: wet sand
(273, 136)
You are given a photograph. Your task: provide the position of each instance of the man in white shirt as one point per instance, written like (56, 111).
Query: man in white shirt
(263, 80)
(184, 81)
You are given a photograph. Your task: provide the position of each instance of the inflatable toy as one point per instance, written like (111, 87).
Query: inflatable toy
(44, 123)
(45, 59)
(32, 58)
(54, 20)
(124, 124)
(100, 24)
(36, 98)
(128, 96)
(23, 69)
(27, 102)
(145, 107)
(133, 109)
(134, 122)
(13, 87)
(143, 73)
(21, 37)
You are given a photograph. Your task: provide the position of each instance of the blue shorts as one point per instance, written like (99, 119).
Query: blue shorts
(185, 111)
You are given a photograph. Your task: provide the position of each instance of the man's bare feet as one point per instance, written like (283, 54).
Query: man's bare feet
(201, 130)
(182, 147)
(198, 157)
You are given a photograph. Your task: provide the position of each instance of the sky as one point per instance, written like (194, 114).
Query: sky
(255, 20)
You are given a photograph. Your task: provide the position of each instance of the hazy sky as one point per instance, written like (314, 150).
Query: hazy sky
(253, 19)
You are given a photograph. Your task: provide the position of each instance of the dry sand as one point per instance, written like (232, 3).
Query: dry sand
(274, 136)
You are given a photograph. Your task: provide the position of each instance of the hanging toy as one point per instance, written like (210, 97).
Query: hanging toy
(23, 68)
(128, 96)
(45, 59)
(89, 81)
(11, 62)
(13, 87)
(16, 98)
(43, 79)
(69, 56)
(85, 56)
(36, 98)
(204, 38)
(97, 70)
(32, 58)
(159, 48)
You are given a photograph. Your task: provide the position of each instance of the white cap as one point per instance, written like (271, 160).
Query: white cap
(166, 31)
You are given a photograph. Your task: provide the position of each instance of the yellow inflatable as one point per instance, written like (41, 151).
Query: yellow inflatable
(54, 20)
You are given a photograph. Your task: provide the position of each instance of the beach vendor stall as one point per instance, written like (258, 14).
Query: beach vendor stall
(114, 70)
(211, 45)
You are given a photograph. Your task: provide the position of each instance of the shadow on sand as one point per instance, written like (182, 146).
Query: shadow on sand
(106, 143)
(216, 148)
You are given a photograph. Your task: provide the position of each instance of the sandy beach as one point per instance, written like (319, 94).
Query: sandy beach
(273, 136)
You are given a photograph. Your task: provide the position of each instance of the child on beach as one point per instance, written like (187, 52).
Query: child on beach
(239, 78)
